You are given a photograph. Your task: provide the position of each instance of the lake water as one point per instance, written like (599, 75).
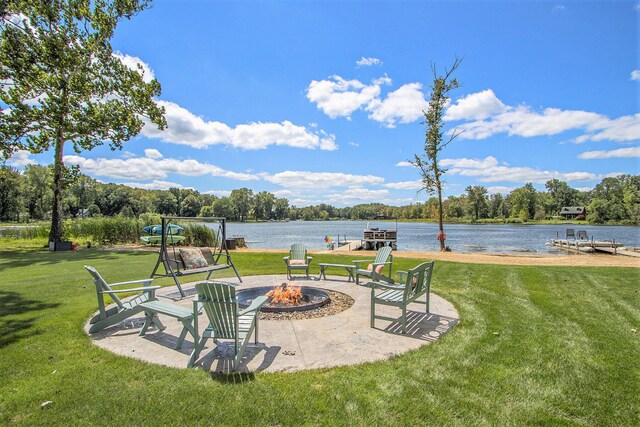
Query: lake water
(413, 236)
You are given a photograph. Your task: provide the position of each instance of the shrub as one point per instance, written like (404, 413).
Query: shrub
(199, 235)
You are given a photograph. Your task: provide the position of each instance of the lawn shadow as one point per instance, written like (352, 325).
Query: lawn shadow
(423, 326)
(13, 304)
(28, 258)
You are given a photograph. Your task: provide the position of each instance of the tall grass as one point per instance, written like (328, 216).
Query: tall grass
(105, 230)
(199, 235)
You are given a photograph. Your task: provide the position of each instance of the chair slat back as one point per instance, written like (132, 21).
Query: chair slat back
(219, 302)
(101, 286)
(418, 279)
(298, 251)
(383, 254)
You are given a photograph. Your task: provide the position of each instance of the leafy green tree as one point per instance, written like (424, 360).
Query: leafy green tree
(281, 208)
(114, 198)
(61, 82)
(190, 206)
(38, 197)
(498, 207)
(561, 195)
(434, 142)
(263, 205)
(165, 203)
(242, 200)
(223, 207)
(523, 198)
(476, 200)
(607, 203)
(10, 197)
(81, 193)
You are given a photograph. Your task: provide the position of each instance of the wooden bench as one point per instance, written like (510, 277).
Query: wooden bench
(350, 269)
(183, 315)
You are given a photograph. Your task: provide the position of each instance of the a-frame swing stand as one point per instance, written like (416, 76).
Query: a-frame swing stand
(172, 262)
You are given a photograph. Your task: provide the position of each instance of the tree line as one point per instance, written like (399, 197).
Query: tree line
(27, 196)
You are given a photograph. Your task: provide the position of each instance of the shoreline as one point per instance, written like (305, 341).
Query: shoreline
(549, 260)
(568, 260)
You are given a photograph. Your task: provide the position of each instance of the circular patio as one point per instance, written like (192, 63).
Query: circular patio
(345, 338)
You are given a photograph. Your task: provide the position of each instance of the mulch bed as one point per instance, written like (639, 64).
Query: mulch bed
(339, 303)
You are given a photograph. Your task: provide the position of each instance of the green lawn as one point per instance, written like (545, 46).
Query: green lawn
(552, 346)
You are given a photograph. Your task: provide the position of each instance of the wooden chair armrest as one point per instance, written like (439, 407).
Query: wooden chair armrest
(255, 305)
(133, 282)
(375, 264)
(121, 291)
(360, 261)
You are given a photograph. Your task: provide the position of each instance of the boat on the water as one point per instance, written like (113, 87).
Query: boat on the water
(376, 237)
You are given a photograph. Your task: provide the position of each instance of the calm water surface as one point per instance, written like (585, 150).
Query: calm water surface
(491, 238)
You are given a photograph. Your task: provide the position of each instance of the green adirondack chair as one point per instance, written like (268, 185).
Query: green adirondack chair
(298, 259)
(122, 310)
(412, 285)
(226, 321)
(383, 258)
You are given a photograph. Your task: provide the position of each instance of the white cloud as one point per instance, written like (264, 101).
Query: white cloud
(403, 105)
(357, 195)
(368, 61)
(489, 170)
(340, 97)
(21, 158)
(405, 185)
(635, 75)
(622, 129)
(155, 185)
(144, 168)
(186, 128)
(500, 189)
(620, 153)
(475, 106)
(136, 64)
(489, 116)
(404, 163)
(152, 153)
(318, 180)
(219, 193)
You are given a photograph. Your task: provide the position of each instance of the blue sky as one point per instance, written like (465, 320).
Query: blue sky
(320, 102)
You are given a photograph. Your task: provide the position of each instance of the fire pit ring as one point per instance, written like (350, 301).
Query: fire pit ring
(312, 298)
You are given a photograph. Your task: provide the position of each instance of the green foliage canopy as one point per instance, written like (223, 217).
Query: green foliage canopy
(60, 81)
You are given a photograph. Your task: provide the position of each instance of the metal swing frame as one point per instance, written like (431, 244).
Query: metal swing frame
(166, 260)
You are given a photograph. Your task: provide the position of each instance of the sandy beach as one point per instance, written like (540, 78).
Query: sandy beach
(574, 260)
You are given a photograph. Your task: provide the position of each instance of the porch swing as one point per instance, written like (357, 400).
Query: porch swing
(184, 261)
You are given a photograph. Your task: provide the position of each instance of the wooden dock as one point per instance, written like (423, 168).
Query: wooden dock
(349, 245)
(588, 246)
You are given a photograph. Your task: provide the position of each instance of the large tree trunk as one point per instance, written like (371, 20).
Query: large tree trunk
(440, 216)
(55, 235)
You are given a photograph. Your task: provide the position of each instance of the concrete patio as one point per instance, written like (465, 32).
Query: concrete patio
(345, 338)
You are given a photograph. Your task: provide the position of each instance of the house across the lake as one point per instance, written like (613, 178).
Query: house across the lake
(573, 212)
